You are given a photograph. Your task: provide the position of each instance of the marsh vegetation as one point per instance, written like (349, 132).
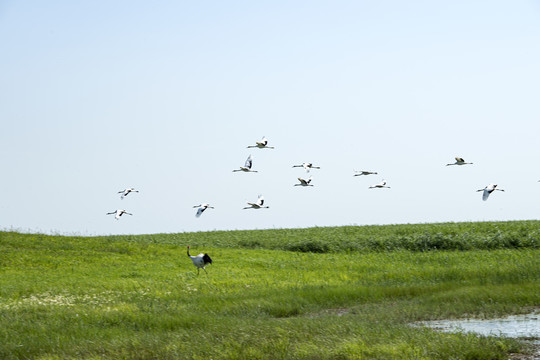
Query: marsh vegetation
(318, 293)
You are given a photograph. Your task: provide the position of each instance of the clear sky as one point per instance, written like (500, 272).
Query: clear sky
(97, 96)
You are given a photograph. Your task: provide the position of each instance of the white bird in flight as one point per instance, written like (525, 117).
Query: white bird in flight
(304, 182)
(200, 261)
(118, 213)
(488, 190)
(380, 185)
(201, 209)
(459, 161)
(126, 192)
(263, 144)
(247, 166)
(307, 166)
(364, 172)
(258, 205)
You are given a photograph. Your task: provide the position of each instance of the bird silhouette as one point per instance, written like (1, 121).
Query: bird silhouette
(364, 172)
(307, 166)
(304, 182)
(247, 166)
(459, 161)
(257, 205)
(263, 144)
(118, 213)
(126, 192)
(488, 190)
(380, 185)
(201, 208)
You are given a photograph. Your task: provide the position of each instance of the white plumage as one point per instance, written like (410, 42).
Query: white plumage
(118, 213)
(200, 261)
(488, 190)
(263, 144)
(247, 166)
(202, 208)
(307, 166)
(126, 192)
(257, 205)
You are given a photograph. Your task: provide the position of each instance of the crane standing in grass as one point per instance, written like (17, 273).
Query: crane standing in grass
(200, 261)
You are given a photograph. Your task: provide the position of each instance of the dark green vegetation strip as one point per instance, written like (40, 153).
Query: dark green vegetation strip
(320, 293)
(411, 237)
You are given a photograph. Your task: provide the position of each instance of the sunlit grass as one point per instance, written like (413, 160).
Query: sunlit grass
(139, 297)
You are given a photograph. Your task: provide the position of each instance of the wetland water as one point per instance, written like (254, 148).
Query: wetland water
(516, 326)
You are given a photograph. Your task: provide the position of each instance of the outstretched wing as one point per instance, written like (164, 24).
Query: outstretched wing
(249, 162)
(200, 211)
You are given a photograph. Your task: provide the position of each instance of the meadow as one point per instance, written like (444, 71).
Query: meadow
(318, 293)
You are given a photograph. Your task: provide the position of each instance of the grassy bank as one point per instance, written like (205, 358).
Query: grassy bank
(413, 237)
(267, 295)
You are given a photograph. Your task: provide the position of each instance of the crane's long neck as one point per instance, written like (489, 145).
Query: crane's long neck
(188, 252)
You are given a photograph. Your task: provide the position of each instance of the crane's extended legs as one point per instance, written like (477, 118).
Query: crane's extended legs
(199, 270)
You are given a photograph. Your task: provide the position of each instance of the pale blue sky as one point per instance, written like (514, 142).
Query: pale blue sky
(165, 96)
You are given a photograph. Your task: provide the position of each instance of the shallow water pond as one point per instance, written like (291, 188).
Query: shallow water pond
(515, 326)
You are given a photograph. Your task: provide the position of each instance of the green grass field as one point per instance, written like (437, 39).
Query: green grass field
(318, 293)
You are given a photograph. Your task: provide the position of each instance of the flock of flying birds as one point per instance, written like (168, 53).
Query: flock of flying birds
(201, 260)
(259, 204)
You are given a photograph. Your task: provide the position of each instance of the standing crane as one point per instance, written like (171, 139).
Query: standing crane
(200, 261)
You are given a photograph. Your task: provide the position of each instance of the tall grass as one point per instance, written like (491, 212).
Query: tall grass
(139, 297)
(413, 237)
